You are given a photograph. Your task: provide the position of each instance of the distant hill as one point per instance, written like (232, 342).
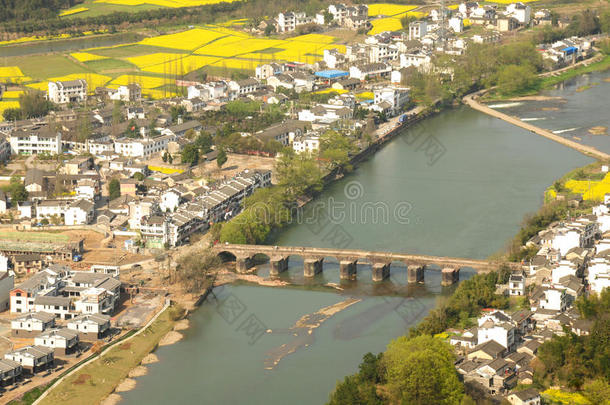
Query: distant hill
(21, 10)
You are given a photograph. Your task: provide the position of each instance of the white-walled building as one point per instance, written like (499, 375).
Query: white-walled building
(62, 341)
(32, 358)
(35, 140)
(90, 327)
(310, 144)
(71, 91)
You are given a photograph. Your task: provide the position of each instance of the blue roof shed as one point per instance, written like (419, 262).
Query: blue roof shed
(569, 50)
(331, 74)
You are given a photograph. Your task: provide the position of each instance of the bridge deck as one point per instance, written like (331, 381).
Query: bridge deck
(354, 255)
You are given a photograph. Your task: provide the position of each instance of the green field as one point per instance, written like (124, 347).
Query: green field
(34, 236)
(44, 66)
(125, 51)
(97, 9)
(109, 64)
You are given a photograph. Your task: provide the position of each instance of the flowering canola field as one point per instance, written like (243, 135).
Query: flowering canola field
(388, 9)
(392, 23)
(86, 57)
(165, 3)
(590, 190)
(6, 105)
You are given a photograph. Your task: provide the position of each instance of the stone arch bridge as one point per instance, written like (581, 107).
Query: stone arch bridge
(348, 259)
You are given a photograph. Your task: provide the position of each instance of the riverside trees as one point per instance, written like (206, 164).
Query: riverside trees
(403, 375)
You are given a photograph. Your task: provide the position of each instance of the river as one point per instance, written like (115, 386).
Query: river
(579, 106)
(465, 199)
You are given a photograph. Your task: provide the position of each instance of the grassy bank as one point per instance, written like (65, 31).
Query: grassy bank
(98, 379)
(550, 81)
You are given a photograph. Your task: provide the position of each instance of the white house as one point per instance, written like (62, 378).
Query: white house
(417, 30)
(310, 144)
(71, 91)
(62, 341)
(520, 12)
(35, 140)
(90, 327)
(554, 299)
(456, 24)
(32, 358)
(170, 198)
(563, 268)
(397, 97)
(32, 324)
(80, 212)
(59, 306)
(599, 274)
(516, 284)
(287, 22)
(503, 333)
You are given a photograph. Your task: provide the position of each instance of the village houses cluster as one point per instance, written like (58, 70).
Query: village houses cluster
(158, 209)
(572, 258)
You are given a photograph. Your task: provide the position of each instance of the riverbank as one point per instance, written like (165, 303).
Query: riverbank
(101, 376)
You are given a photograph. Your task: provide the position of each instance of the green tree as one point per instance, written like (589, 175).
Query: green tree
(597, 392)
(16, 190)
(164, 157)
(297, 173)
(33, 104)
(190, 154)
(114, 189)
(328, 17)
(336, 149)
(515, 79)
(138, 176)
(170, 159)
(410, 381)
(221, 159)
(204, 142)
(12, 114)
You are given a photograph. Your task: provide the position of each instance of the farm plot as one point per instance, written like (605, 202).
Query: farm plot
(388, 9)
(186, 40)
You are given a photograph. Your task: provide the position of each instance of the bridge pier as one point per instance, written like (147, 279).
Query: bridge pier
(381, 271)
(347, 269)
(243, 263)
(312, 267)
(450, 276)
(415, 274)
(278, 265)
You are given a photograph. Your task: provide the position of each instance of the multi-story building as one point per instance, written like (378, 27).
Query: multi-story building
(131, 147)
(71, 91)
(287, 22)
(39, 139)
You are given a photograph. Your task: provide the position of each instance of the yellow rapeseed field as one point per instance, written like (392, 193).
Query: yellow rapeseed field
(165, 3)
(158, 94)
(145, 82)
(388, 9)
(13, 74)
(385, 24)
(73, 11)
(236, 64)
(185, 40)
(590, 190)
(182, 66)
(5, 105)
(392, 23)
(86, 57)
(10, 71)
(314, 38)
(12, 94)
(232, 46)
(152, 59)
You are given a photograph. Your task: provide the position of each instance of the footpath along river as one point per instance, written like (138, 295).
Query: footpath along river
(467, 201)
